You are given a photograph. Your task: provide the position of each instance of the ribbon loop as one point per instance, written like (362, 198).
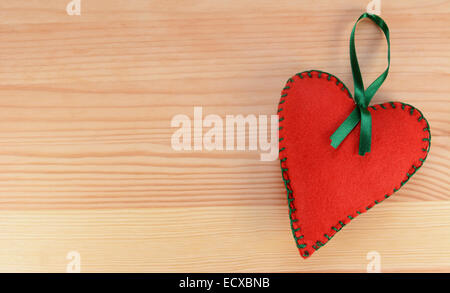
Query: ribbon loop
(362, 97)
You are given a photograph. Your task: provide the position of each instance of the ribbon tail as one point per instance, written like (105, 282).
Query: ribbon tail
(345, 128)
(365, 136)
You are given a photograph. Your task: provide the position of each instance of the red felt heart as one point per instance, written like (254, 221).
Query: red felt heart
(327, 187)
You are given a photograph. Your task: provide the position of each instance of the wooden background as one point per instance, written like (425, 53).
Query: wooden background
(85, 154)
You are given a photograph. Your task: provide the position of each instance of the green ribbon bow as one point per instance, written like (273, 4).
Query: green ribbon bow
(362, 97)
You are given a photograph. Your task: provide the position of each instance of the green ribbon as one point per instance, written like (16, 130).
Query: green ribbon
(362, 97)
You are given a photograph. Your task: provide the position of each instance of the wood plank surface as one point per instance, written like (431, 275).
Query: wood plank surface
(85, 133)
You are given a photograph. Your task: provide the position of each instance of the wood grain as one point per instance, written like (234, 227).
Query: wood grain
(85, 154)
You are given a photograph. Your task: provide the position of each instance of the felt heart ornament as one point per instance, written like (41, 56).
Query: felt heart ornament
(329, 184)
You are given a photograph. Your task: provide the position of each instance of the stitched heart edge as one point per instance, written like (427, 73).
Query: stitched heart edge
(302, 247)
